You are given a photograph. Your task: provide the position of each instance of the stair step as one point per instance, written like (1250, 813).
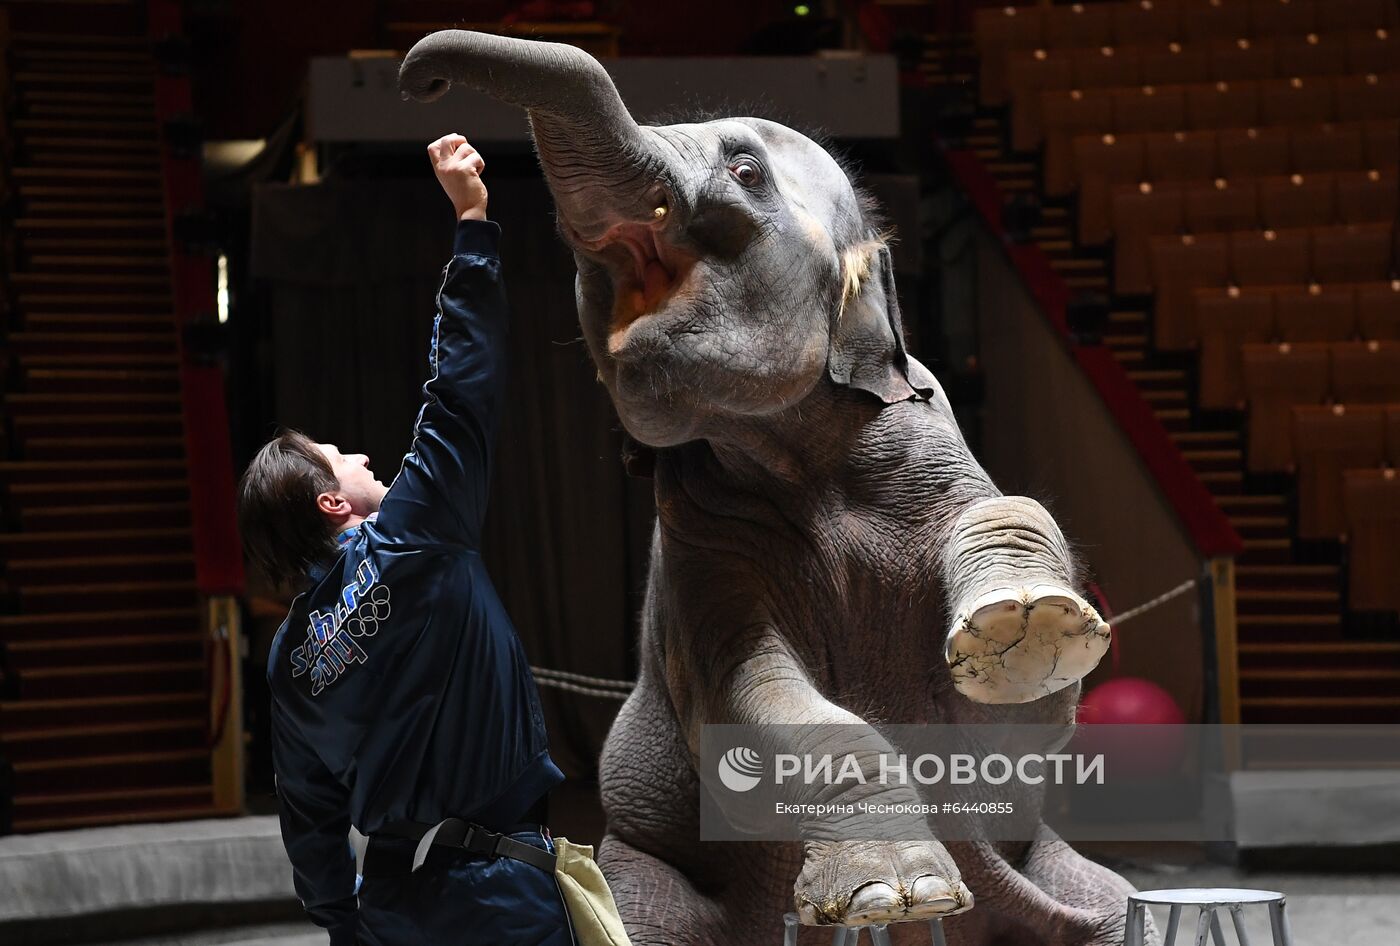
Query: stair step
(68, 569)
(75, 80)
(85, 131)
(22, 404)
(111, 816)
(78, 244)
(39, 209)
(1125, 341)
(1277, 602)
(109, 160)
(121, 770)
(1252, 501)
(85, 741)
(1132, 317)
(119, 339)
(73, 471)
(113, 280)
(35, 714)
(94, 651)
(95, 425)
(1259, 527)
(1129, 355)
(1321, 709)
(1318, 656)
(117, 515)
(133, 447)
(33, 38)
(113, 324)
(82, 174)
(146, 261)
(98, 379)
(17, 545)
(130, 679)
(1259, 628)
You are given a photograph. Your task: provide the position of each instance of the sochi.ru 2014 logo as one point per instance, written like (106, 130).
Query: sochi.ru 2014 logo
(740, 768)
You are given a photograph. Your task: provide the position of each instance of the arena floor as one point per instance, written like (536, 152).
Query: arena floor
(1326, 909)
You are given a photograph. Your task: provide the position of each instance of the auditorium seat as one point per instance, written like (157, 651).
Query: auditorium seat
(1172, 63)
(1242, 58)
(1180, 155)
(1310, 54)
(1368, 96)
(1138, 213)
(1208, 19)
(1282, 17)
(1352, 253)
(1296, 100)
(1221, 206)
(1180, 264)
(1372, 50)
(1378, 311)
(999, 31)
(1101, 162)
(1223, 104)
(1227, 319)
(1328, 440)
(1315, 313)
(1106, 66)
(1269, 257)
(1064, 115)
(1371, 504)
(1382, 143)
(1254, 152)
(1298, 200)
(1148, 108)
(1079, 24)
(1366, 196)
(1028, 75)
(1352, 14)
(1276, 377)
(1366, 372)
(1327, 147)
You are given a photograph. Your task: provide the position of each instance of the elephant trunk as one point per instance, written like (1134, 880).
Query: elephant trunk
(600, 165)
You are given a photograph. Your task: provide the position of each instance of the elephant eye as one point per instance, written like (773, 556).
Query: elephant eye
(746, 173)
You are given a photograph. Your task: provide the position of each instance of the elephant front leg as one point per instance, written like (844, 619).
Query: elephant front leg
(1018, 632)
(753, 678)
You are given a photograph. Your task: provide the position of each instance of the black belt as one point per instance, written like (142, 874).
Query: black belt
(456, 834)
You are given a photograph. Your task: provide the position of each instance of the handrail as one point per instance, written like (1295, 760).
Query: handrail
(217, 550)
(1208, 527)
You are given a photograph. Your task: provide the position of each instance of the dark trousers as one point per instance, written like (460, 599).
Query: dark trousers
(461, 899)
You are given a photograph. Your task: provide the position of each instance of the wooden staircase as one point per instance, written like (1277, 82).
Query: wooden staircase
(105, 717)
(1297, 664)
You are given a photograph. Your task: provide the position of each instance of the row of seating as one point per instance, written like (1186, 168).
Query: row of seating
(1371, 505)
(1233, 317)
(1329, 440)
(999, 31)
(1178, 265)
(1102, 161)
(1253, 206)
(1200, 105)
(1230, 60)
(1278, 377)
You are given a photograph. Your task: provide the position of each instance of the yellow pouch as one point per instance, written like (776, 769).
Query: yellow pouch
(587, 897)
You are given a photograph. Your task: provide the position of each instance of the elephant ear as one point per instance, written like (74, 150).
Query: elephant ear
(867, 336)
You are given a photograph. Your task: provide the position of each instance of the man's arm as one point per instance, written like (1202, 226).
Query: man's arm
(439, 496)
(314, 810)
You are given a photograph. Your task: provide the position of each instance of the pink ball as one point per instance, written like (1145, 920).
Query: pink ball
(1129, 701)
(1111, 716)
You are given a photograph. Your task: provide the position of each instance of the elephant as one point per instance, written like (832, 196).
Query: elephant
(827, 550)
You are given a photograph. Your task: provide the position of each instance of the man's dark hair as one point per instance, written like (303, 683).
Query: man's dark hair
(284, 533)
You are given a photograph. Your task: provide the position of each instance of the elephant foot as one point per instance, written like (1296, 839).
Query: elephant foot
(1014, 645)
(855, 883)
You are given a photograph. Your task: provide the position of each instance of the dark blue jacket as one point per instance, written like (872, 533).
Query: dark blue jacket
(399, 688)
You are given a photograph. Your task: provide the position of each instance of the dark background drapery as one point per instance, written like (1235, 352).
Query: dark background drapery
(349, 271)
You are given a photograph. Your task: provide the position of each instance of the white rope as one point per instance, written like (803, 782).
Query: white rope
(580, 678)
(1161, 599)
(606, 689)
(583, 691)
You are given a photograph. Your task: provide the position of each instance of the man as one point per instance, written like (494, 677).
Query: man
(402, 700)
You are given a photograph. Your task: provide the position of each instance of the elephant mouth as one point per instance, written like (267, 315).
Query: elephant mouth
(647, 271)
